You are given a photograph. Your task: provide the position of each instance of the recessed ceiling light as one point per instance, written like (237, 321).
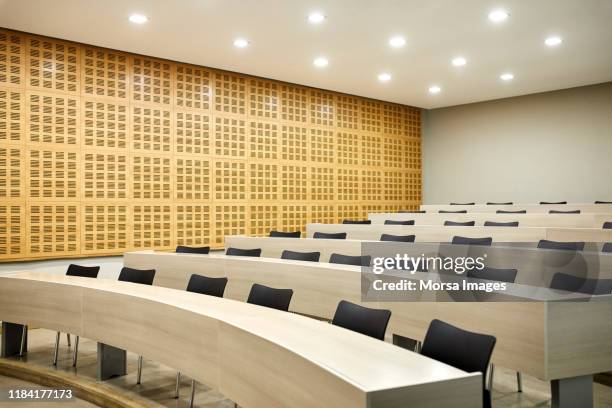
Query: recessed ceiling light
(506, 77)
(138, 19)
(321, 62)
(498, 15)
(316, 17)
(241, 43)
(553, 41)
(459, 61)
(397, 42)
(434, 89)
(384, 77)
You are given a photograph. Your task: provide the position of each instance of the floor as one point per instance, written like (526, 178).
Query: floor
(158, 380)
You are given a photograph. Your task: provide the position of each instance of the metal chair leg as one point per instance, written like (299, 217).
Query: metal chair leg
(139, 374)
(24, 333)
(192, 393)
(76, 350)
(491, 370)
(56, 350)
(68, 338)
(178, 384)
(519, 381)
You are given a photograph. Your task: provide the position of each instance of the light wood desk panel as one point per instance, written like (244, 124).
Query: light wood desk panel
(531, 208)
(257, 357)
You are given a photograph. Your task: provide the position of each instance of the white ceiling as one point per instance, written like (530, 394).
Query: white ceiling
(354, 38)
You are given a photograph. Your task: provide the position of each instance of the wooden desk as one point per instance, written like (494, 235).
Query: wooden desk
(531, 208)
(525, 220)
(257, 357)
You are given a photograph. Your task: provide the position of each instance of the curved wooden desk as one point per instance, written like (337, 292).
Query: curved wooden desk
(531, 208)
(257, 357)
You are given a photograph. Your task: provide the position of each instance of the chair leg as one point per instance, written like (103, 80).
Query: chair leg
(24, 333)
(519, 381)
(192, 393)
(76, 350)
(178, 384)
(68, 338)
(56, 349)
(491, 370)
(139, 374)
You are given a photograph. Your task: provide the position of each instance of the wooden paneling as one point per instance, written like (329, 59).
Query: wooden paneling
(99, 148)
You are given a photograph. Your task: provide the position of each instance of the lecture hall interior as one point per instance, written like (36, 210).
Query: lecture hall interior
(306, 203)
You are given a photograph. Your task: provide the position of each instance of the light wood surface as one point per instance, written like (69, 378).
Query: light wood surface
(586, 220)
(522, 328)
(257, 357)
(530, 207)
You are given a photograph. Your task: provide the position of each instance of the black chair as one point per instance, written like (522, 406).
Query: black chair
(301, 256)
(607, 247)
(205, 286)
(363, 260)
(364, 320)
(603, 202)
(73, 270)
(412, 211)
(565, 246)
(192, 250)
(467, 351)
(365, 222)
(270, 297)
(256, 252)
(397, 238)
(511, 212)
(501, 224)
(486, 241)
(570, 283)
(462, 203)
(493, 274)
(459, 224)
(508, 203)
(395, 222)
(143, 277)
(452, 212)
(607, 225)
(552, 202)
(329, 235)
(283, 234)
(564, 212)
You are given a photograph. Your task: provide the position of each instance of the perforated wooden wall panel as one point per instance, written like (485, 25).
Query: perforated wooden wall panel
(103, 151)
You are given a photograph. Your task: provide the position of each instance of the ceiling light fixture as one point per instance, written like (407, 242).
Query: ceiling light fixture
(434, 89)
(459, 61)
(241, 43)
(553, 41)
(384, 77)
(138, 19)
(321, 62)
(506, 77)
(316, 18)
(498, 16)
(397, 42)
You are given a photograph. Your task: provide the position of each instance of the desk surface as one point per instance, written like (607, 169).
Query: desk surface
(150, 320)
(530, 207)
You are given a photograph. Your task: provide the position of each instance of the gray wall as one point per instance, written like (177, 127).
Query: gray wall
(549, 146)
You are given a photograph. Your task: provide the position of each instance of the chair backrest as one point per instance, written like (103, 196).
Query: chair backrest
(142, 276)
(552, 202)
(467, 351)
(462, 203)
(283, 234)
(511, 212)
(458, 240)
(607, 247)
(459, 224)
(329, 235)
(255, 252)
(270, 297)
(356, 221)
(301, 256)
(84, 271)
(206, 286)
(493, 274)
(603, 202)
(397, 238)
(564, 212)
(412, 211)
(508, 203)
(607, 225)
(570, 283)
(395, 222)
(565, 246)
(192, 250)
(452, 212)
(364, 320)
(359, 260)
(501, 224)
